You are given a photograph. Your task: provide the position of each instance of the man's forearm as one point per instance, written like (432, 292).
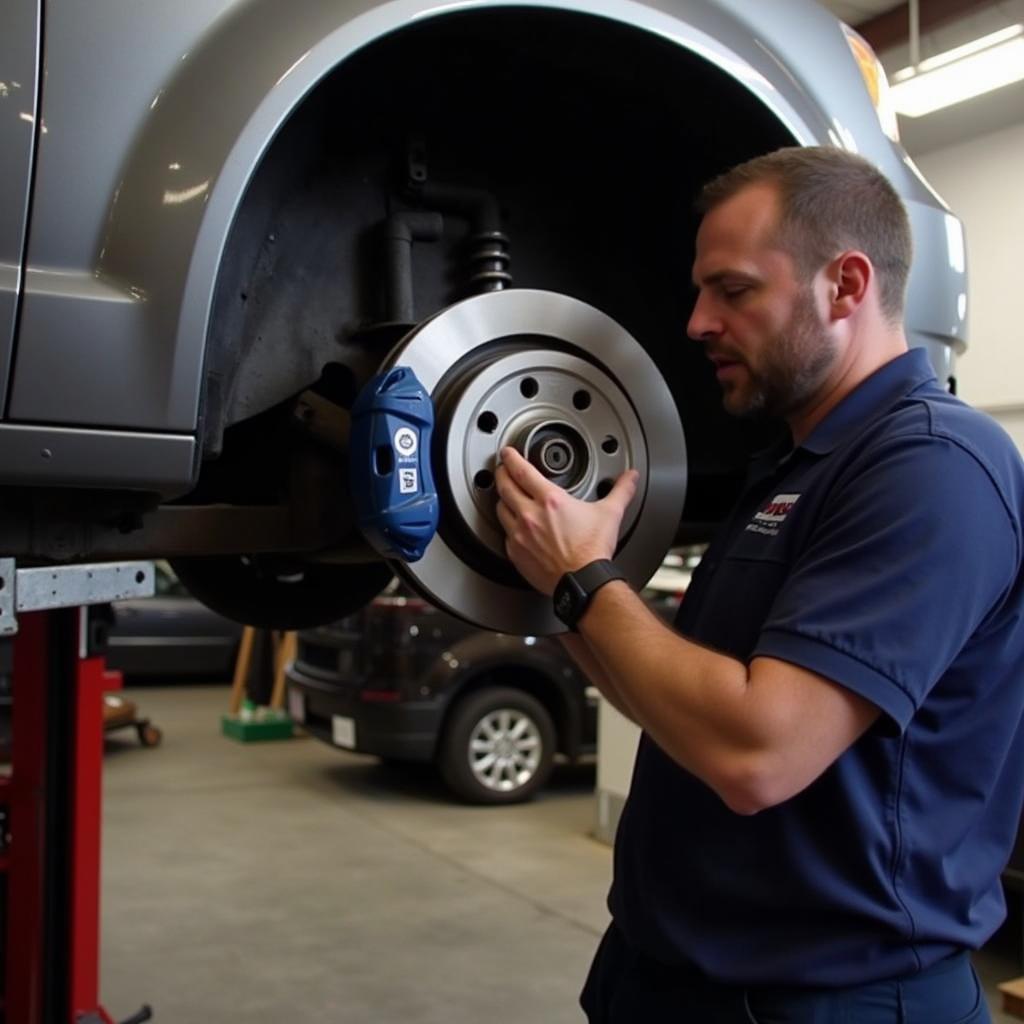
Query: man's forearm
(756, 735)
(686, 696)
(591, 667)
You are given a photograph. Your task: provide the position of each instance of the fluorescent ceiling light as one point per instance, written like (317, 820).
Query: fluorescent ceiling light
(977, 67)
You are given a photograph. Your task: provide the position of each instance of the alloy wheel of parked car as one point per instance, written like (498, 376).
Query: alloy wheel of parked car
(498, 747)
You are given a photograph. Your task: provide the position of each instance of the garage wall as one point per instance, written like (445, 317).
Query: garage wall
(980, 180)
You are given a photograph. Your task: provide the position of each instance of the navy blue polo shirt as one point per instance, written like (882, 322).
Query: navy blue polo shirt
(885, 554)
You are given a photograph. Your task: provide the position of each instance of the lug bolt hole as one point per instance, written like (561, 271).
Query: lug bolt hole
(604, 488)
(487, 422)
(581, 400)
(484, 480)
(529, 387)
(610, 445)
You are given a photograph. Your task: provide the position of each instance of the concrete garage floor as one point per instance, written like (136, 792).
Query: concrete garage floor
(288, 882)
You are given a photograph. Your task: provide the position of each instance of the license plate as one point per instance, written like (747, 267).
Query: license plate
(344, 731)
(296, 706)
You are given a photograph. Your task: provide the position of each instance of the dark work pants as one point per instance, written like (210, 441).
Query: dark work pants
(626, 987)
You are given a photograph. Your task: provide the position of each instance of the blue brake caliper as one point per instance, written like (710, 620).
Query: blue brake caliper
(392, 485)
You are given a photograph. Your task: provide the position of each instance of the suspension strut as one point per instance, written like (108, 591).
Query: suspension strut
(488, 248)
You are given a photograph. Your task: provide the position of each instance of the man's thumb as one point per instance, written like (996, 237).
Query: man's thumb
(625, 487)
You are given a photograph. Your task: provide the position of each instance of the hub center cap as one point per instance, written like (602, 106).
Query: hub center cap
(555, 457)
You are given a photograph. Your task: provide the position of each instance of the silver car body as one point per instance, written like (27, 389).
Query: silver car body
(120, 190)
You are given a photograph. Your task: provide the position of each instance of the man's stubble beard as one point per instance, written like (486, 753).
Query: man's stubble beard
(795, 365)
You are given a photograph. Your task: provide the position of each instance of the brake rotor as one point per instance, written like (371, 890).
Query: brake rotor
(578, 396)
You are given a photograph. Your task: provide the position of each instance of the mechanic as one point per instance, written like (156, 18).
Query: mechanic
(828, 782)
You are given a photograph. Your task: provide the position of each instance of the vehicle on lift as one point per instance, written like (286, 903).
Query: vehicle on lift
(275, 206)
(404, 681)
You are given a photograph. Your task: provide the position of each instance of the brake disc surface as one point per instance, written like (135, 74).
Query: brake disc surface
(580, 398)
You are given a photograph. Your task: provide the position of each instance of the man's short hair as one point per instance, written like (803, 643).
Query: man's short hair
(831, 200)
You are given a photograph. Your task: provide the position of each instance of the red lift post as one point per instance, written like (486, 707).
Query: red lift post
(53, 791)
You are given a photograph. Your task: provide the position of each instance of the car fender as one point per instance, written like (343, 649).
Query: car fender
(145, 306)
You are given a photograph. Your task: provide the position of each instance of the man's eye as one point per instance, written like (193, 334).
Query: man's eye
(733, 291)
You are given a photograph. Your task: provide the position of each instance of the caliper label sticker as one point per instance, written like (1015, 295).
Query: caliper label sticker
(408, 481)
(406, 441)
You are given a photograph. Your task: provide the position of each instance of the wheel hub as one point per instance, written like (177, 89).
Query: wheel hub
(563, 413)
(578, 396)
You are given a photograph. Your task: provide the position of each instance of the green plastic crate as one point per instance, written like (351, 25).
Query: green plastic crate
(253, 730)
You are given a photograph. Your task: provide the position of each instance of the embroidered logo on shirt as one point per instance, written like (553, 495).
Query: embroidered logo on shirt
(768, 519)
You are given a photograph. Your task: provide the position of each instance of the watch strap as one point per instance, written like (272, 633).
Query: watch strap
(575, 590)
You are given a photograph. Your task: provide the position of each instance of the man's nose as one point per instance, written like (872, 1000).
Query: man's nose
(703, 325)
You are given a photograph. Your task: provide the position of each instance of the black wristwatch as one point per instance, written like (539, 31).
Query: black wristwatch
(575, 590)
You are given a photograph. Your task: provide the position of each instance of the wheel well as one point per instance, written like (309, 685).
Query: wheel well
(594, 163)
(532, 681)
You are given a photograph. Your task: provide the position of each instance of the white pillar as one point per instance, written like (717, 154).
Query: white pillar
(617, 738)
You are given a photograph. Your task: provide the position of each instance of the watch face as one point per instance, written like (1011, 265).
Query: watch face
(563, 604)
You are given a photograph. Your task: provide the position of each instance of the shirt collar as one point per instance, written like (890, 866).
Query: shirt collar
(870, 399)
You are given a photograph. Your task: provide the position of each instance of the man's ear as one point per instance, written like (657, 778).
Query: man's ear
(849, 277)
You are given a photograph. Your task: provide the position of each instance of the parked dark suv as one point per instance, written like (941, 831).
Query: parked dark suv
(404, 681)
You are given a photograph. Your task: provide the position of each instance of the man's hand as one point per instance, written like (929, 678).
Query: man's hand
(549, 532)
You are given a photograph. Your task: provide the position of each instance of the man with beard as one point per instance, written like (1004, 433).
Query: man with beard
(828, 781)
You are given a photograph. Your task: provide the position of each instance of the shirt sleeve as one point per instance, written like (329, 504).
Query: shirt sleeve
(915, 548)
